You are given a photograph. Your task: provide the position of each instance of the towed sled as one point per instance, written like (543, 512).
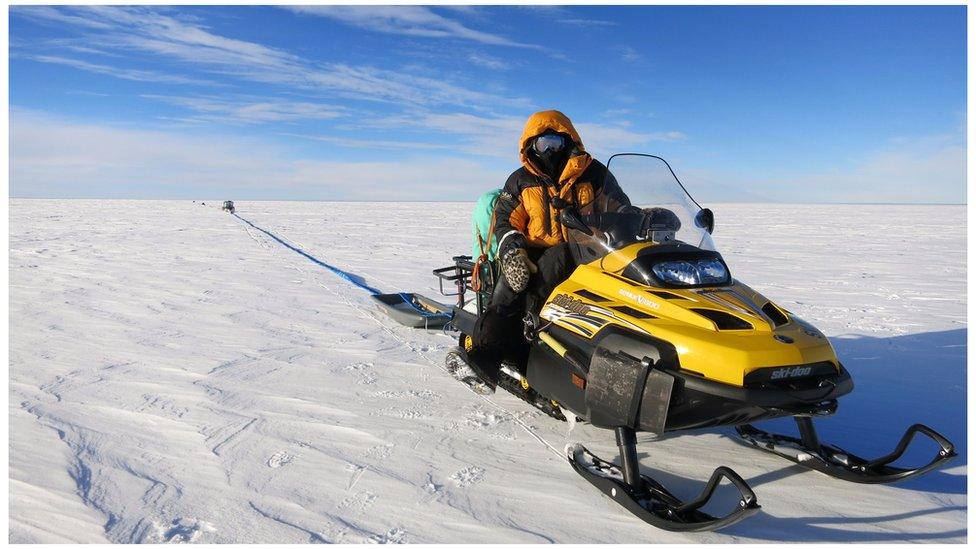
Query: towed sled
(413, 310)
(652, 333)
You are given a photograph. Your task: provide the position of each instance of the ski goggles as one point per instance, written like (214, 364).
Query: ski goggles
(549, 142)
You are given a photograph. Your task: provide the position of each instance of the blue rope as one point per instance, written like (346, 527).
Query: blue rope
(349, 277)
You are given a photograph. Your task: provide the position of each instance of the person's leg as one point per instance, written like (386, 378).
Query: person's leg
(498, 334)
(497, 331)
(555, 265)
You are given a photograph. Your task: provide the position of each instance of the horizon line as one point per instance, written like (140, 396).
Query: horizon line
(462, 201)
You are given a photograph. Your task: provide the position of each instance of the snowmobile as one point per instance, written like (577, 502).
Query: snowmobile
(652, 333)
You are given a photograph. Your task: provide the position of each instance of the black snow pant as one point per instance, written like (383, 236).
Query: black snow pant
(498, 334)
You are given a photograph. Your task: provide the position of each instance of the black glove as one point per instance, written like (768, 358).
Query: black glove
(660, 219)
(512, 241)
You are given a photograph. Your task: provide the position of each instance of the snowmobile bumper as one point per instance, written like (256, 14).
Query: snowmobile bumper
(700, 402)
(839, 463)
(651, 502)
(617, 389)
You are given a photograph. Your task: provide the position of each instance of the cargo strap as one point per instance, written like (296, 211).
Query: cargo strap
(483, 258)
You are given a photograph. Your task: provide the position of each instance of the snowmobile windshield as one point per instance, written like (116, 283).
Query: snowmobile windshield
(650, 182)
(683, 254)
(669, 212)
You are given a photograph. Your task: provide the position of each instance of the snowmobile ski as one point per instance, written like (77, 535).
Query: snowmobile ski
(650, 501)
(841, 464)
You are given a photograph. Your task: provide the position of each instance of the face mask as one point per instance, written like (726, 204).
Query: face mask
(551, 151)
(548, 142)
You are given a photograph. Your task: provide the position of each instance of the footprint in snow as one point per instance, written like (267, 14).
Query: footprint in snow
(367, 379)
(380, 452)
(395, 535)
(468, 476)
(280, 459)
(358, 366)
(183, 530)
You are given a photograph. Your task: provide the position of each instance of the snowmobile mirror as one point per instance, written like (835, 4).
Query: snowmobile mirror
(706, 220)
(569, 217)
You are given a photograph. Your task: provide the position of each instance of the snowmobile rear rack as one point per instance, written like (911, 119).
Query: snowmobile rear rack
(459, 275)
(650, 501)
(839, 463)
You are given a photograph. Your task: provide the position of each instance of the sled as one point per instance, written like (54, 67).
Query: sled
(414, 310)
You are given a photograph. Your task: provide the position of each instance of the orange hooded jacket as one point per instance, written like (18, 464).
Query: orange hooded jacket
(526, 203)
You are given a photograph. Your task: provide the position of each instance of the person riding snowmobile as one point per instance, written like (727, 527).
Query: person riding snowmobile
(556, 173)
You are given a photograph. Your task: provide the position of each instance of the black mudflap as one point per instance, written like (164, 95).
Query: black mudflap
(460, 368)
(656, 505)
(841, 464)
(529, 395)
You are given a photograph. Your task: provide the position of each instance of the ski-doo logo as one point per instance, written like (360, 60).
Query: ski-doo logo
(784, 373)
(572, 305)
(638, 298)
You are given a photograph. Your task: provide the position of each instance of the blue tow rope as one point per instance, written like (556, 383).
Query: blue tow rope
(356, 280)
(349, 277)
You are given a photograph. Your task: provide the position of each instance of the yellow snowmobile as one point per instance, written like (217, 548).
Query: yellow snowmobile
(652, 333)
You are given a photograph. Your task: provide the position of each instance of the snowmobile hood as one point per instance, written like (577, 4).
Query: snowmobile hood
(556, 121)
(721, 333)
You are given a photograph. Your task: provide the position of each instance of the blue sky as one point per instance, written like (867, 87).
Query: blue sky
(792, 104)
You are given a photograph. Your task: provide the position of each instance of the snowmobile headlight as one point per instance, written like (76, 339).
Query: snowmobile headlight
(712, 271)
(692, 272)
(681, 273)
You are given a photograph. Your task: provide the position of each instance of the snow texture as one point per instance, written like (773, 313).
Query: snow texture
(178, 376)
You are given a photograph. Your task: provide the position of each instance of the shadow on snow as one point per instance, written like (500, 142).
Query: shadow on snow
(898, 381)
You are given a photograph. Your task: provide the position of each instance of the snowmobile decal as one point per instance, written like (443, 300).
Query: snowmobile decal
(784, 373)
(570, 304)
(568, 312)
(639, 299)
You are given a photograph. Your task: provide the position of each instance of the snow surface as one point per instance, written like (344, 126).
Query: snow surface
(178, 376)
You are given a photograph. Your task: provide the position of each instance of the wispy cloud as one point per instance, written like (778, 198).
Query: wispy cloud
(927, 169)
(53, 14)
(498, 135)
(488, 61)
(249, 110)
(582, 22)
(145, 30)
(627, 53)
(138, 75)
(417, 21)
(374, 144)
(51, 157)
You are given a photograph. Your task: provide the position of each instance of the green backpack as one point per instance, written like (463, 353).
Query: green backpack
(481, 223)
